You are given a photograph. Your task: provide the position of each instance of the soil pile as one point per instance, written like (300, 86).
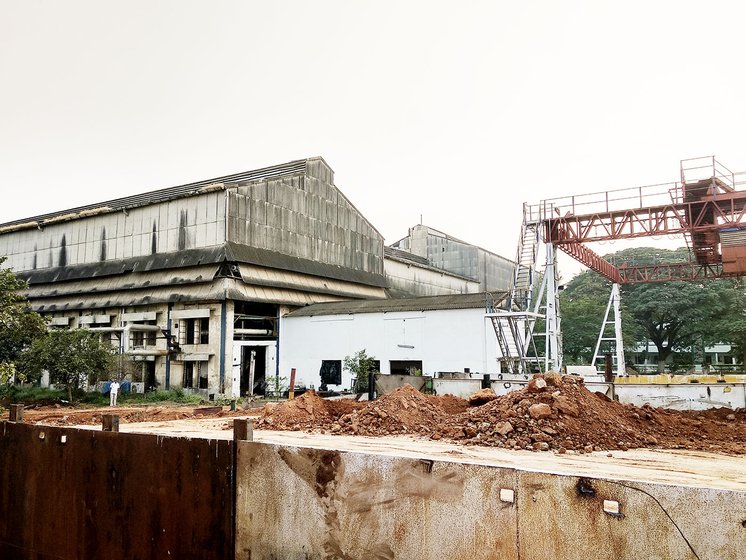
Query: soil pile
(307, 412)
(552, 412)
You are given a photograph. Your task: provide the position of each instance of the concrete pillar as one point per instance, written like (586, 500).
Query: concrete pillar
(243, 430)
(110, 422)
(16, 413)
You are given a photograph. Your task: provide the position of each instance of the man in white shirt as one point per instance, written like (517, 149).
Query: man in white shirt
(113, 392)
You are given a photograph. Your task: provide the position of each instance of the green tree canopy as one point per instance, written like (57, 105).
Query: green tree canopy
(19, 325)
(672, 315)
(70, 357)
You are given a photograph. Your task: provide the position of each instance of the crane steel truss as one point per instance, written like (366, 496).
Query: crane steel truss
(696, 208)
(705, 207)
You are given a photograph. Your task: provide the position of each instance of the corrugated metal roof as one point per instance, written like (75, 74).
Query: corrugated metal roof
(405, 256)
(196, 257)
(273, 278)
(170, 193)
(428, 303)
(420, 262)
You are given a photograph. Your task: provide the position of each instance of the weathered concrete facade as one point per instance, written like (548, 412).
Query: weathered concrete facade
(212, 264)
(493, 272)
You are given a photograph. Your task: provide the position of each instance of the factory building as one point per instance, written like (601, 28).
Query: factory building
(191, 281)
(442, 251)
(211, 264)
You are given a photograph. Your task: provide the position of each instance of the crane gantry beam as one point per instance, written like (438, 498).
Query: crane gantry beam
(699, 210)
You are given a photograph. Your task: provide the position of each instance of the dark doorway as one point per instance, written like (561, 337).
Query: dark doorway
(150, 376)
(260, 368)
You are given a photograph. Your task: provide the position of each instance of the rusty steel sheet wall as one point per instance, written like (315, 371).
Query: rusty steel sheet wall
(112, 495)
(323, 504)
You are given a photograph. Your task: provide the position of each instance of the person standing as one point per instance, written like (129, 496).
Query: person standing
(113, 392)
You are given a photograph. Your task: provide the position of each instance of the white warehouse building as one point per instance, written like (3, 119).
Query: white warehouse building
(427, 334)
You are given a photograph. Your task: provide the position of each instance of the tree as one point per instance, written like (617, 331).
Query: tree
(673, 315)
(583, 304)
(70, 357)
(19, 324)
(361, 365)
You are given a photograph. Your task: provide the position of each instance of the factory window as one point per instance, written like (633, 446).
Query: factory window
(140, 339)
(194, 331)
(406, 367)
(331, 372)
(188, 380)
(195, 375)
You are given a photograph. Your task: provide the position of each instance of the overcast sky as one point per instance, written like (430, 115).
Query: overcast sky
(456, 111)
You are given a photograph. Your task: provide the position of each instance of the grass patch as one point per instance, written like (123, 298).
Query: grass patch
(177, 395)
(35, 395)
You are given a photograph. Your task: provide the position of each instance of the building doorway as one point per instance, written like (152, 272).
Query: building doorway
(253, 370)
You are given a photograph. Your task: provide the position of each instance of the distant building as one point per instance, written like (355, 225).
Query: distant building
(493, 272)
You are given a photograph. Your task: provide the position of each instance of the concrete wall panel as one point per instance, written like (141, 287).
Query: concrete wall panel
(329, 504)
(563, 517)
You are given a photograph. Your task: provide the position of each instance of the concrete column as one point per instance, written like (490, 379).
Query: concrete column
(243, 430)
(16, 413)
(110, 422)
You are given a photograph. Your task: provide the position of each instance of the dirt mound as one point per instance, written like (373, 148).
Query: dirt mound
(404, 411)
(552, 412)
(449, 403)
(57, 415)
(306, 412)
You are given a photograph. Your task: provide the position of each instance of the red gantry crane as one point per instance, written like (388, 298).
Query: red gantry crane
(705, 207)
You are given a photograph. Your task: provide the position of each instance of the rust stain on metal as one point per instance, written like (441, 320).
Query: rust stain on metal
(111, 495)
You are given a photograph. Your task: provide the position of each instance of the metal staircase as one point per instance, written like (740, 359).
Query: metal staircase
(526, 256)
(514, 324)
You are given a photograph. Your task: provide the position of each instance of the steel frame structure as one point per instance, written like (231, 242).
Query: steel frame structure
(705, 202)
(697, 208)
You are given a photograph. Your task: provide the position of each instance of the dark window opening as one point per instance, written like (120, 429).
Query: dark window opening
(188, 379)
(406, 367)
(194, 331)
(252, 321)
(331, 372)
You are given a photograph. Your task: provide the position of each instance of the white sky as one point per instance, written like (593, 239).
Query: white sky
(459, 111)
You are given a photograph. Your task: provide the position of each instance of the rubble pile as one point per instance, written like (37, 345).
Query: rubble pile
(553, 412)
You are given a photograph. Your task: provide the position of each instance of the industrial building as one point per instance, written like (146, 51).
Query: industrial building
(192, 280)
(440, 250)
(425, 335)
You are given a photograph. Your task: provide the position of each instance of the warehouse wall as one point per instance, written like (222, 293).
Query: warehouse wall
(444, 340)
(186, 223)
(304, 216)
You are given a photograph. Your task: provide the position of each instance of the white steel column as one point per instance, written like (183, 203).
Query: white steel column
(553, 352)
(621, 367)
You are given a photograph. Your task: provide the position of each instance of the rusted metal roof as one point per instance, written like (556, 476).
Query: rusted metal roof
(170, 193)
(428, 303)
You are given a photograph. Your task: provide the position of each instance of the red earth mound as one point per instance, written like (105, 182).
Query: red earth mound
(552, 413)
